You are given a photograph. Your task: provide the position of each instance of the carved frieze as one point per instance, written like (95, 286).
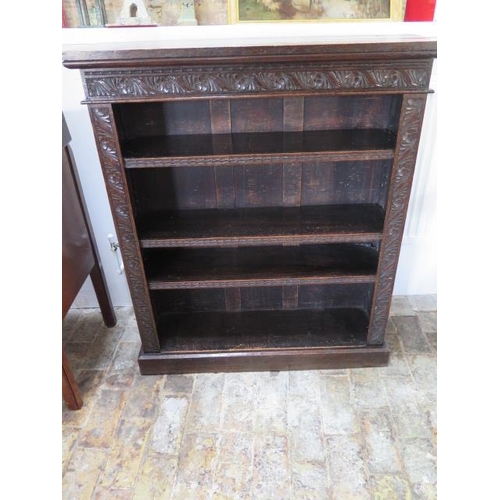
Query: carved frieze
(128, 83)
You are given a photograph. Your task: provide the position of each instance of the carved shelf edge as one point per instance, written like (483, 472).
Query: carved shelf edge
(150, 83)
(279, 281)
(258, 240)
(250, 159)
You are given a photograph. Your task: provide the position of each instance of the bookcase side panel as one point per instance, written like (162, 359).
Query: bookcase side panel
(116, 186)
(412, 114)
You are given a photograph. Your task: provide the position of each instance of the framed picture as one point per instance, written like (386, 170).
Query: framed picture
(242, 11)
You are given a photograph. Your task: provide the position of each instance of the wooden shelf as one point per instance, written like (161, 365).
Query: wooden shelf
(251, 330)
(259, 148)
(262, 226)
(262, 266)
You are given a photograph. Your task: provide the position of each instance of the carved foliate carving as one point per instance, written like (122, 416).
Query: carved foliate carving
(124, 83)
(410, 125)
(115, 183)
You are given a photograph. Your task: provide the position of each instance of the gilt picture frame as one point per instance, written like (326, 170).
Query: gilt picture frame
(251, 11)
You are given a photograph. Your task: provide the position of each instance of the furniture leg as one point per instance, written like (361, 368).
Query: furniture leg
(103, 297)
(70, 391)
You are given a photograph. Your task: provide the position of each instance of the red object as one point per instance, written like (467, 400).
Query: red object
(420, 10)
(64, 18)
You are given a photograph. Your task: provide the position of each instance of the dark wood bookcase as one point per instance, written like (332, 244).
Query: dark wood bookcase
(259, 194)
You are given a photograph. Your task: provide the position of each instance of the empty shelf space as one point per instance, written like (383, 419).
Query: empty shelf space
(260, 266)
(262, 226)
(258, 148)
(258, 330)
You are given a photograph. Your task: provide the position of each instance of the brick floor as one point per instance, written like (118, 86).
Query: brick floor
(326, 434)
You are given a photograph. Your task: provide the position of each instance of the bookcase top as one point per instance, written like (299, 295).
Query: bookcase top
(192, 50)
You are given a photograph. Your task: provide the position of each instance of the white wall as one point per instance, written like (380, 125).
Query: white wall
(417, 266)
(89, 171)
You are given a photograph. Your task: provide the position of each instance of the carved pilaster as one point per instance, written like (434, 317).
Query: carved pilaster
(412, 114)
(114, 176)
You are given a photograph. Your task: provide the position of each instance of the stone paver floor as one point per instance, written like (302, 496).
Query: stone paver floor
(325, 434)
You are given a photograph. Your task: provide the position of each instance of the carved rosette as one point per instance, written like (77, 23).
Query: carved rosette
(115, 183)
(126, 83)
(410, 125)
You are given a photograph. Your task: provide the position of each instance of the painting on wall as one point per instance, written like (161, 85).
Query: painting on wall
(119, 13)
(315, 10)
(95, 13)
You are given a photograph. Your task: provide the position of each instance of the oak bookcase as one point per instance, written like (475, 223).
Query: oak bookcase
(259, 194)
